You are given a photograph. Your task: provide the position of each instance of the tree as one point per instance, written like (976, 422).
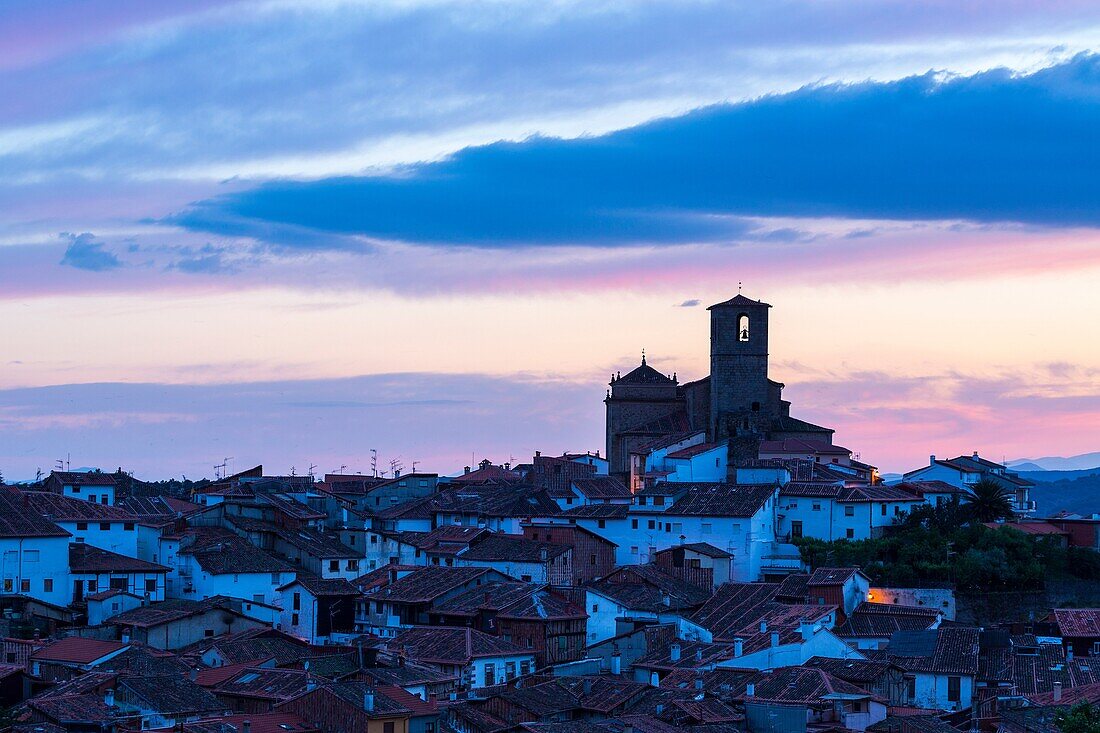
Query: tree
(988, 501)
(1082, 718)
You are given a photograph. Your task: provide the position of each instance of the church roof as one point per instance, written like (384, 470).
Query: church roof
(644, 374)
(740, 300)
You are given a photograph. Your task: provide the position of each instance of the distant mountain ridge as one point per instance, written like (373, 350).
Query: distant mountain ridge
(1080, 462)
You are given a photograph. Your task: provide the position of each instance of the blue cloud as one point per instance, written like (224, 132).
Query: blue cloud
(85, 252)
(692, 303)
(992, 147)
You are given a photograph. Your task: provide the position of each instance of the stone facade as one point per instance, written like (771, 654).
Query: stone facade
(737, 404)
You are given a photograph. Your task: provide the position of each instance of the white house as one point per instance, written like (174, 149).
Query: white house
(34, 552)
(93, 486)
(100, 525)
(965, 471)
(93, 570)
(206, 562)
(835, 512)
(476, 658)
(314, 609)
(939, 664)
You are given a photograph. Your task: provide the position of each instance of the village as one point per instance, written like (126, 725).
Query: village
(717, 566)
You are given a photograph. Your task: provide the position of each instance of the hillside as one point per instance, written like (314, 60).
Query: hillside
(1080, 494)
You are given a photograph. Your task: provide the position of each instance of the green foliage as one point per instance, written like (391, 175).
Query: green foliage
(936, 544)
(1082, 718)
(989, 502)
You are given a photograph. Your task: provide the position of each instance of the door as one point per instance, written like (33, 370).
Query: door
(78, 591)
(796, 529)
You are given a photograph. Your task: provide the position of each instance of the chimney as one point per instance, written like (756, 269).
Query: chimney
(775, 639)
(738, 646)
(674, 652)
(698, 655)
(806, 628)
(975, 456)
(397, 473)
(616, 663)
(36, 670)
(1069, 654)
(763, 626)
(666, 599)
(543, 554)
(109, 698)
(587, 686)
(465, 469)
(246, 726)
(305, 665)
(698, 683)
(311, 685)
(193, 674)
(750, 690)
(932, 460)
(1057, 692)
(538, 454)
(126, 636)
(368, 700)
(660, 708)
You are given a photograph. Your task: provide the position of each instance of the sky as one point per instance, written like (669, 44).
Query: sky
(291, 232)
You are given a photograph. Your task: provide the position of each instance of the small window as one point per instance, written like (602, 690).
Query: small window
(208, 633)
(850, 533)
(25, 585)
(602, 524)
(658, 501)
(849, 511)
(297, 602)
(150, 585)
(592, 559)
(294, 619)
(81, 526)
(47, 585)
(634, 524)
(954, 689)
(595, 608)
(105, 526)
(334, 565)
(817, 506)
(128, 526)
(652, 524)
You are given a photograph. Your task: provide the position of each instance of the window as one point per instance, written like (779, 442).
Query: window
(884, 510)
(634, 550)
(954, 689)
(275, 578)
(25, 585)
(658, 501)
(595, 608)
(525, 578)
(334, 565)
(9, 585)
(510, 670)
(743, 327)
(374, 539)
(601, 523)
(387, 727)
(47, 585)
(128, 526)
(817, 506)
(118, 583)
(490, 676)
(30, 555)
(208, 633)
(105, 526)
(634, 524)
(652, 524)
(525, 667)
(294, 619)
(850, 533)
(378, 607)
(91, 586)
(591, 559)
(911, 688)
(297, 602)
(81, 526)
(796, 529)
(151, 586)
(353, 564)
(849, 511)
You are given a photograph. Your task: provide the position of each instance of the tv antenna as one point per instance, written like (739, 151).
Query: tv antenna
(374, 462)
(220, 470)
(312, 466)
(396, 465)
(414, 466)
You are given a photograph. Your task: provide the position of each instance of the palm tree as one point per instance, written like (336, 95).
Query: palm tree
(988, 501)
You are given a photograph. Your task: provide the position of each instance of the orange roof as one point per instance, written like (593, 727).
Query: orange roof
(76, 650)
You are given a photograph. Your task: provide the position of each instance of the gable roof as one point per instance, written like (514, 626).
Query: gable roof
(446, 645)
(947, 650)
(740, 300)
(515, 548)
(602, 487)
(428, 583)
(721, 499)
(831, 576)
(883, 619)
(19, 519)
(58, 508)
(77, 650)
(1076, 622)
(84, 558)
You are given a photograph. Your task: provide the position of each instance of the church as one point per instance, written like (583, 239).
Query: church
(737, 404)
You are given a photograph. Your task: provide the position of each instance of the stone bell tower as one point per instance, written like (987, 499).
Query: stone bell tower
(739, 404)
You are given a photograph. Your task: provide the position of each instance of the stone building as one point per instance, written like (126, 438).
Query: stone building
(737, 404)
